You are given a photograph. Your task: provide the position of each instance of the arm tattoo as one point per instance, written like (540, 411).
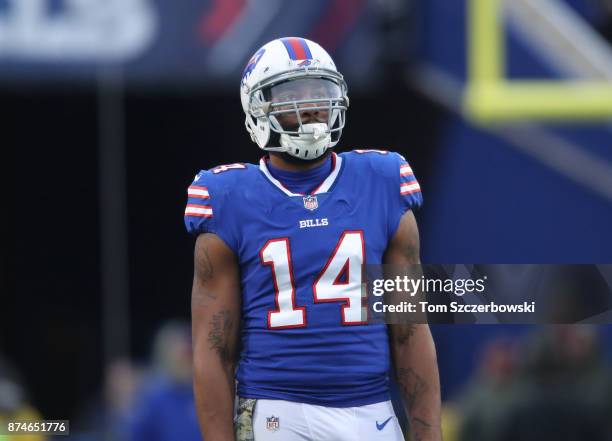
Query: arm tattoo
(201, 297)
(218, 338)
(420, 421)
(413, 387)
(204, 266)
(403, 333)
(204, 272)
(411, 384)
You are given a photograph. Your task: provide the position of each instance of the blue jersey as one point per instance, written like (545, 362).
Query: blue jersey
(304, 336)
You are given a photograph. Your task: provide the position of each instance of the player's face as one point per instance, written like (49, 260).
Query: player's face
(316, 93)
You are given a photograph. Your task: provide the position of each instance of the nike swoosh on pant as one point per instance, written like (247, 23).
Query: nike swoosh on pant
(380, 426)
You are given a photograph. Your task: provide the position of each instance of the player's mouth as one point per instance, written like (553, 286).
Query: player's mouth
(296, 127)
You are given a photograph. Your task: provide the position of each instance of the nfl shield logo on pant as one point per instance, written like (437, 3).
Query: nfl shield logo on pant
(311, 203)
(272, 423)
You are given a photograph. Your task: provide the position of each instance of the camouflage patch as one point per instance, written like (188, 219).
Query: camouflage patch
(243, 424)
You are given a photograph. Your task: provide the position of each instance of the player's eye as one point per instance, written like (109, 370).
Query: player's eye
(286, 97)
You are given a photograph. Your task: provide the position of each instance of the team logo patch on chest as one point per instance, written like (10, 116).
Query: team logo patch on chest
(311, 203)
(272, 423)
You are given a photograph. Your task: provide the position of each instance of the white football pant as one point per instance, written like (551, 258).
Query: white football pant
(277, 420)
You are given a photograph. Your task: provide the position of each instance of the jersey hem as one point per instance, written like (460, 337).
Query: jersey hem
(378, 398)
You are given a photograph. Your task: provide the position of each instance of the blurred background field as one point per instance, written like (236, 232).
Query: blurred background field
(111, 107)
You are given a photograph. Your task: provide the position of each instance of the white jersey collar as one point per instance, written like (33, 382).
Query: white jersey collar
(323, 188)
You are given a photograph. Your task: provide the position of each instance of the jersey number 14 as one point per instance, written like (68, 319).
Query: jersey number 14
(339, 281)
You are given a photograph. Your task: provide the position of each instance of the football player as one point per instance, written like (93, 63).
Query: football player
(276, 302)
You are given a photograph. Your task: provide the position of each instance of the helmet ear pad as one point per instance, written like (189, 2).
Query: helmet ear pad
(259, 130)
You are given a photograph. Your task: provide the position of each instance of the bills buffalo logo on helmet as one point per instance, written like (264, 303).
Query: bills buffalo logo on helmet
(252, 63)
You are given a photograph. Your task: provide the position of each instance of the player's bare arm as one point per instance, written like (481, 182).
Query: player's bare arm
(412, 347)
(215, 309)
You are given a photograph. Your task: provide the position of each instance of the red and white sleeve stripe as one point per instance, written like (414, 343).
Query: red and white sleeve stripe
(409, 188)
(406, 170)
(408, 182)
(196, 191)
(198, 210)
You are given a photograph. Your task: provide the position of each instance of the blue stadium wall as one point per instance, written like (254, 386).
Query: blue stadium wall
(487, 202)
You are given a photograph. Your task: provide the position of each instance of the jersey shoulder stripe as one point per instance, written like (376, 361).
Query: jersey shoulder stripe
(198, 192)
(406, 189)
(410, 189)
(198, 210)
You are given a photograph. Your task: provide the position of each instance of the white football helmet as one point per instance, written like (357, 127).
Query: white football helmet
(294, 98)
